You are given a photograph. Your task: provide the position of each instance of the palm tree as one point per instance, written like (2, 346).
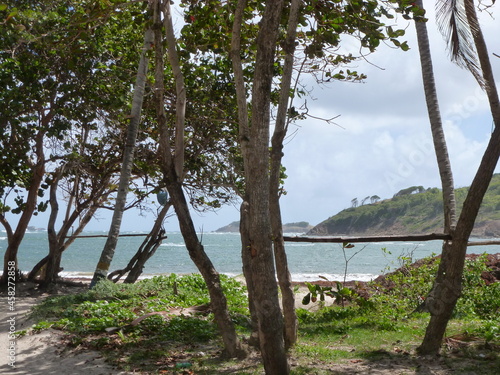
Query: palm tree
(458, 22)
(128, 160)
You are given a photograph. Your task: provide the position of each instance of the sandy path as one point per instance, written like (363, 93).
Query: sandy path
(41, 353)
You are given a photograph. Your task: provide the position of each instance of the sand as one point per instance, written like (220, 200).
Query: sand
(43, 352)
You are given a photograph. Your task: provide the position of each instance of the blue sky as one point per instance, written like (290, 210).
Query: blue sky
(382, 143)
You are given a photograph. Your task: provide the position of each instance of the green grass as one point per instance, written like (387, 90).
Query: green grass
(386, 329)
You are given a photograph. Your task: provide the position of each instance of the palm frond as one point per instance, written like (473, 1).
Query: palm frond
(453, 24)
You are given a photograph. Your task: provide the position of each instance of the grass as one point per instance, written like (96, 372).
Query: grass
(385, 330)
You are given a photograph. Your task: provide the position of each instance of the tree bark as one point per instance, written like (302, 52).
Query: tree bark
(54, 253)
(218, 302)
(38, 172)
(172, 168)
(255, 153)
(180, 102)
(280, 130)
(247, 272)
(128, 159)
(447, 287)
(438, 137)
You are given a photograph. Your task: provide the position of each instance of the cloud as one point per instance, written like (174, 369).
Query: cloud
(384, 142)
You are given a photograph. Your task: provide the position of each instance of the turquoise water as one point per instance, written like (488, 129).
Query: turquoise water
(306, 260)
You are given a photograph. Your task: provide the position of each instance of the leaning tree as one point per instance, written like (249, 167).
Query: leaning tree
(459, 23)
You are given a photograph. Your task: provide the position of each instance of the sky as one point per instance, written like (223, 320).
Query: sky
(381, 142)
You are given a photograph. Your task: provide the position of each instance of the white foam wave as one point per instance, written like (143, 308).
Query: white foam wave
(300, 277)
(76, 275)
(173, 244)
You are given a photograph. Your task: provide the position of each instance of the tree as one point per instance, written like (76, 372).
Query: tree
(147, 249)
(87, 178)
(439, 140)
(171, 153)
(44, 99)
(275, 178)
(255, 152)
(354, 202)
(460, 24)
(107, 254)
(364, 200)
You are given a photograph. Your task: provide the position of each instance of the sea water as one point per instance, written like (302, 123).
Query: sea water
(306, 261)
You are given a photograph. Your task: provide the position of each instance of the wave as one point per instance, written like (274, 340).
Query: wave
(297, 277)
(301, 244)
(76, 275)
(173, 244)
(220, 233)
(301, 277)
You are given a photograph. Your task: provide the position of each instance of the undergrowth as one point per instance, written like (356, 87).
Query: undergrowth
(388, 323)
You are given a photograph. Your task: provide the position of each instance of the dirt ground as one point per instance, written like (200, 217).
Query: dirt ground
(45, 352)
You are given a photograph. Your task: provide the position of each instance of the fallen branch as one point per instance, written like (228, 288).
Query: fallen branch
(420, 237)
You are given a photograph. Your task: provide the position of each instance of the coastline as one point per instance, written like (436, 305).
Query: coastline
(296, 278)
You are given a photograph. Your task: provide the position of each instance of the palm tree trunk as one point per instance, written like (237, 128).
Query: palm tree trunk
(108, 252)
(438, 137)
(447, 287)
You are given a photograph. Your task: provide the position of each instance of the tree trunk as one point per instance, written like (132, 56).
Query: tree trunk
(38, 170)
(255, 153)
(280, 130)
(447, 287)
(128, 159)
(172, 168)
(145, 251)
(63, 241)
(218, 301)
(438, 137)
(50, 271)
(247, 272)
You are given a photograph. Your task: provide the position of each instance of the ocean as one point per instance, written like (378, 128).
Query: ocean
(307, 261)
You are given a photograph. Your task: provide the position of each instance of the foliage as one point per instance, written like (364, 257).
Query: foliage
(87, 315)
(388, 324)
(73, 94)
(109, 304)
(410, 213)
(399, 295)
(336, 290)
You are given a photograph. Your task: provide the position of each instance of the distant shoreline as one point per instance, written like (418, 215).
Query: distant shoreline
(296, 278)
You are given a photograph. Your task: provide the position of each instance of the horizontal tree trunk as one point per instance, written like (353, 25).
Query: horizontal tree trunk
(417, 237)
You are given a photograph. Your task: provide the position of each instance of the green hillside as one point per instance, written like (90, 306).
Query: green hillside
(412, 213)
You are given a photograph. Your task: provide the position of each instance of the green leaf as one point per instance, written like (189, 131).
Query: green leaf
(306, 299)
(404, 46)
